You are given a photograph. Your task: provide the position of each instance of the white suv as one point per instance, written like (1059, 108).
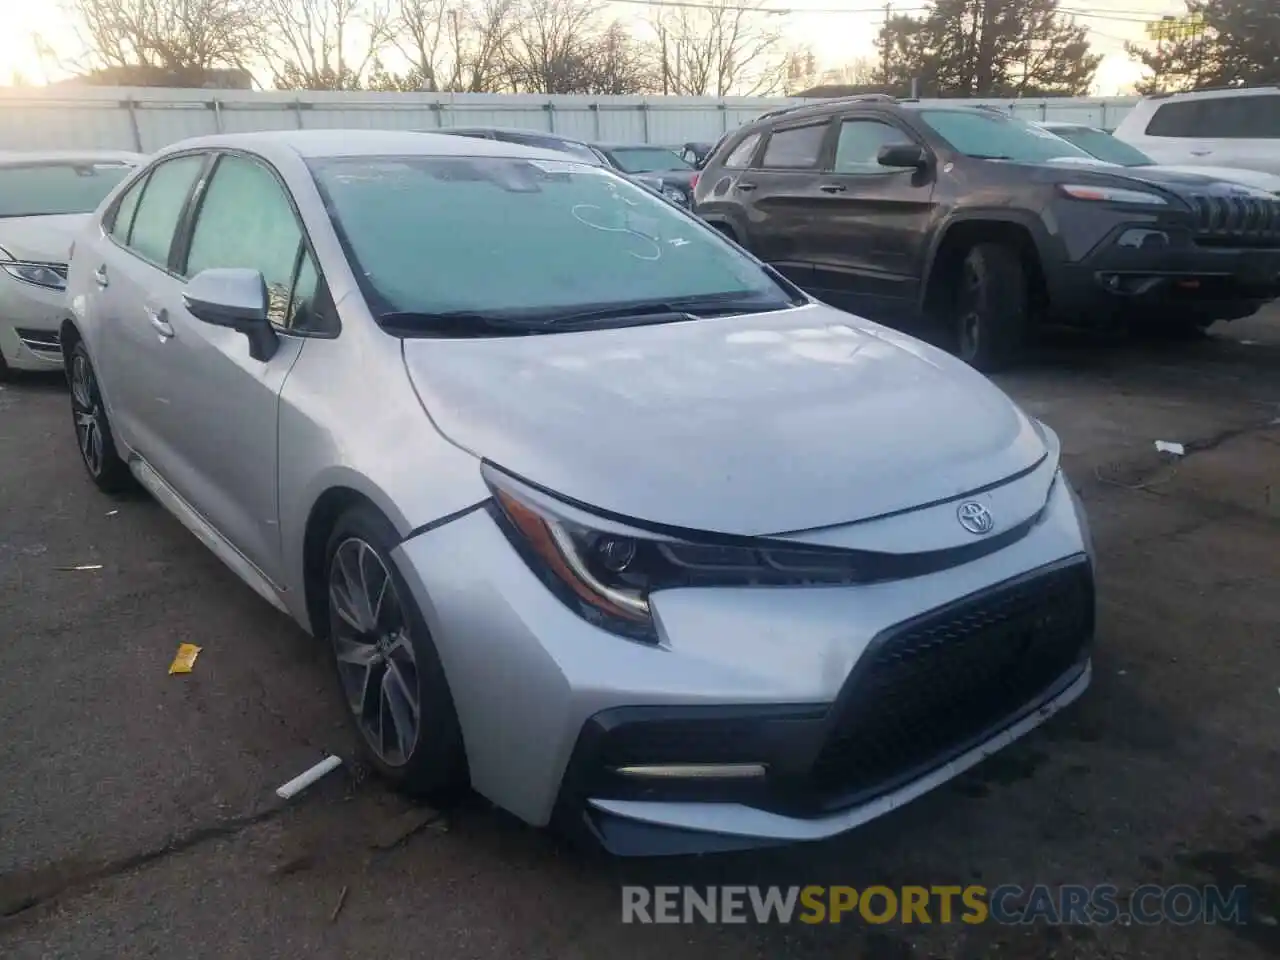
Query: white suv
(1228, 128)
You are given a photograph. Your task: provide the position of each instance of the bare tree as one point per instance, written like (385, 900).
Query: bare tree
(453, 45)
(175, 40)
(323, 44)
(720, 48)
(550, 46)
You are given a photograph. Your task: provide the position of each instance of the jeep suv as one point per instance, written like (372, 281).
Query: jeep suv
(985, 223)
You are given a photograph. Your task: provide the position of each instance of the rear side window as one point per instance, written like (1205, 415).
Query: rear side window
(797, 147)
(1219, 118)
(161, 206)
(741, 155)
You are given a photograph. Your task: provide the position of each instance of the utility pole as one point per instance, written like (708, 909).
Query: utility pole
(884, 47)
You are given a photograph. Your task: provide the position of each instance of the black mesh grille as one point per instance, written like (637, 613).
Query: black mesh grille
(1238, 220)
(937, 683)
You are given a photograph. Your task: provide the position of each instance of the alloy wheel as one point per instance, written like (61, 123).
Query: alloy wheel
(376, 662)
(88, 418)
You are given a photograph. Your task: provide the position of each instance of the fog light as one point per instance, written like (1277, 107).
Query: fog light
(695, 771)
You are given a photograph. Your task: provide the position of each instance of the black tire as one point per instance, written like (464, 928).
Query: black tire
(432, 762)
(97, 445)
(991, 307)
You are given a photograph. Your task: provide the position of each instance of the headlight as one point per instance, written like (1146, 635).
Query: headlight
(675, 195)
(606, 571)
(52, 276)
(1080, 191)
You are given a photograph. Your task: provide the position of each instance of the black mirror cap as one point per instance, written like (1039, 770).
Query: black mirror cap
(907, 155)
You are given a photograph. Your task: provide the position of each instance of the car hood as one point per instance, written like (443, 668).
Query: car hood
(41, 238)
(1249, 178)
(760, 424)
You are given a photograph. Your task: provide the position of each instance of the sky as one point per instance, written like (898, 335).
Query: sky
(838, 31)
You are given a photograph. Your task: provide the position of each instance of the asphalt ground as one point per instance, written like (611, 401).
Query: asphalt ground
(137, 809)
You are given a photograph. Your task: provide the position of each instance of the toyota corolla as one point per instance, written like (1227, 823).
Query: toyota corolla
(600, 516)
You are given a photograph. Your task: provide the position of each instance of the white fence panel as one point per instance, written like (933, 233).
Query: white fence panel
(146, 119)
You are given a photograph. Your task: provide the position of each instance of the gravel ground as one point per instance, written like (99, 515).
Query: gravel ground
(138, 818)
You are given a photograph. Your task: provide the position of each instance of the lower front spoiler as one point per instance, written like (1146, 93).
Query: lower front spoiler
(642, 828)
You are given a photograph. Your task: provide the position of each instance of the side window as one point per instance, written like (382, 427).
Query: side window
(860, 142)
(796, 148)
(1175, 120)
(741, 155)
(122, 216)
(246, 220)
(161, 206)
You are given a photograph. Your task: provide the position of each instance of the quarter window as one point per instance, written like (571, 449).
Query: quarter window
(741, 155)
(122, 219)
(796, 148)
(246, 221)
(1219, 118)
(859, 145)
(161, 206)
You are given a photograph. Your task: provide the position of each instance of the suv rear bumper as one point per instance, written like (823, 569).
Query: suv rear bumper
(1144, 271)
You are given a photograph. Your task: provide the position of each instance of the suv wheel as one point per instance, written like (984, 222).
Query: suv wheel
(388, 669)
(93, 430)
(991, 306)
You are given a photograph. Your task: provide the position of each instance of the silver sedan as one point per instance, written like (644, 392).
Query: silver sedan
(600, 516)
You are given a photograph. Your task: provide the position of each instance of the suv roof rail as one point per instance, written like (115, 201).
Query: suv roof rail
(1166, 94)
(829, 101)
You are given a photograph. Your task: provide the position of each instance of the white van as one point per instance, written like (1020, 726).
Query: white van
(1229, 128)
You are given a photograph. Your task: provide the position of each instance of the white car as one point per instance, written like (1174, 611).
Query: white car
(1229, 128)
(45, 199)
(1110, 150)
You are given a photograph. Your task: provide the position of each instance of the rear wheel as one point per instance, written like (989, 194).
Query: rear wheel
(93, 428)
(389, 672)
(991, 307)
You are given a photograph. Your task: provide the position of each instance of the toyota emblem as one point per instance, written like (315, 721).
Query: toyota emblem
(975, 518)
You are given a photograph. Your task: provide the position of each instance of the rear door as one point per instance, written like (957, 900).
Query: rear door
(779, 198)
(129, 267)
(221, 435)
(870, 233)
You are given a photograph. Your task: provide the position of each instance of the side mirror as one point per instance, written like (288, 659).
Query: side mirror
(910, 155)
(235, 298)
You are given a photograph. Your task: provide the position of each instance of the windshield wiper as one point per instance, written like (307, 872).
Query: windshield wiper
(989, 156)
(459, 323)
(669, 311)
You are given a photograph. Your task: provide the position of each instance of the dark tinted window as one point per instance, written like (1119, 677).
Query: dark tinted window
(860, 142)
(161, 206)
(246, 221)
(797, 147)
(741, 155)
(1226, 118)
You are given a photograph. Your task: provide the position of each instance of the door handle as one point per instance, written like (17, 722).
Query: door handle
(100, 277)
(832, 188)
(159, 318)
(745, 186)
(1201, 153)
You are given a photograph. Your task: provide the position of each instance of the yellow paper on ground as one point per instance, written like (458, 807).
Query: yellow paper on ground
(185, 659)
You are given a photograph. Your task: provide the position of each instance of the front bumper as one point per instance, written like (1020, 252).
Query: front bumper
(549, 705)
(1151, 270)
(30, 319)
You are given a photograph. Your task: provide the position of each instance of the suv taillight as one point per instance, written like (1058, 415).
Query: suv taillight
(693, 181)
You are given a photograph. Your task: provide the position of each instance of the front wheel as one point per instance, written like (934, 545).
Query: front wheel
(991, 307)
(389, 671)
(93, 428)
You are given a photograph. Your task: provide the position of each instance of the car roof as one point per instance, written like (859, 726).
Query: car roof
(316, 144)
(515, 131)
(1212, 93)
(15, 158)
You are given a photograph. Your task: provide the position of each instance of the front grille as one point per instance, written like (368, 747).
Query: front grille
(1237, 220)
(932, 687)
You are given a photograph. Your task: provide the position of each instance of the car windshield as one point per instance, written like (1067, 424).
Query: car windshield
(1104, 146)
(993, 136)
(49, 189)
(647, 159)
(489, 237)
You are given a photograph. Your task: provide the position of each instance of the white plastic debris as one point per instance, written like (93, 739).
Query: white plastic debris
(1168, 446)
(308, 777)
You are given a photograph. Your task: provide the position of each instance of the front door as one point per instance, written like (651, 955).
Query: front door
(870, 237)
(221, 433)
